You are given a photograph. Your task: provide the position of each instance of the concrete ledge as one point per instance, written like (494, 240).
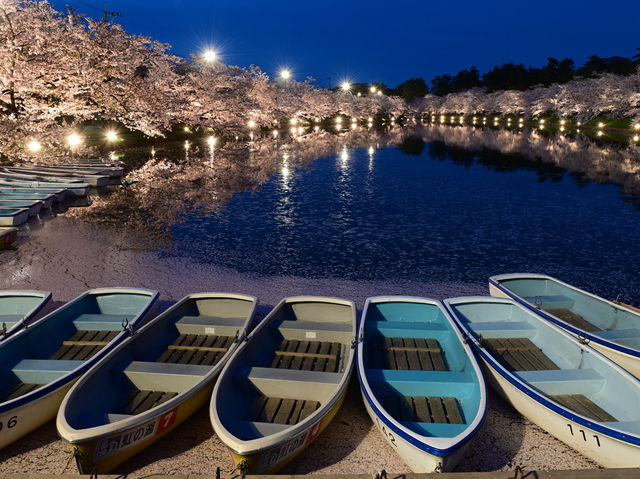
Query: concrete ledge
(558, 474)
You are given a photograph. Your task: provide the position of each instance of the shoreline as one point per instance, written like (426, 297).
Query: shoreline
(67, 257)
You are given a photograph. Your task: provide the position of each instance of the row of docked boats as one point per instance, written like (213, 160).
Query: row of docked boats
(26, 189)
(421, 365)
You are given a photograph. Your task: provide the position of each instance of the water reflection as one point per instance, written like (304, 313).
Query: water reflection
(550, 156)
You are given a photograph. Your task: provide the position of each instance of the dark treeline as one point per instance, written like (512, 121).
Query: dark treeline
(508, 76)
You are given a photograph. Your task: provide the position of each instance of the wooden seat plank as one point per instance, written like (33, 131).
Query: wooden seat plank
(269, 410)
(308, 408)
(399, 354)
(583, 406)
(320, 364)
(573, 319)
(422, 409)
(295, 414)
(20, 390)
(425, 358)
(284, 411)
(452, 410)
(389, 357)
(412, 354)
(149, 402)
(298, 357)
(436, 355)
(332, 364)
(137, 399)
(437, 409)
(405, 408)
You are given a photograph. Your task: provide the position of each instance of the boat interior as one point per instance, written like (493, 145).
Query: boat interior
(56, 346)
(15, 307)
(551, 362)
(168, 357)
(417, 368)
(580, 310)
(291, 367)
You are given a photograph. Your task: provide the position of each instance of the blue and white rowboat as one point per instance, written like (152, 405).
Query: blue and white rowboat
(567, 388)
(611, 328)
(39, 364)
(420, 382)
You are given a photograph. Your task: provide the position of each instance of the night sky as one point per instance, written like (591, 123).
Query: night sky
(385, 41)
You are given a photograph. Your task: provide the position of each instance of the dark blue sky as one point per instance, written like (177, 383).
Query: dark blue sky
(382, 40)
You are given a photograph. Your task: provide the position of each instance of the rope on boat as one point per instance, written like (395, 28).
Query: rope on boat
(518, 470)
(127, 327)
(583, 339)
(381, 474)
(75, 454)
(242, 467)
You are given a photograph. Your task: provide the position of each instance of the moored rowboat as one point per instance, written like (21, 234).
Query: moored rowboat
(77, 189)
(34, 206)
(7, 236)
(153, 381)
(18, 308)
(13, 216)
(44, 195)
(420, 383)
(40, 363)
(46, 175)
(283, 386)
(611, 328)
(567, 388)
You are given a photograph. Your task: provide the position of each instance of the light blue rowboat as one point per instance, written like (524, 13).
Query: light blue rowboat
(45, 195)
(155, 380)
(611, 328)
(77, 189)
(34, 206)
(18, 308)
(420, 382)
(562, 385)
(46, 175)
(39, 364)
(110, 171)
(13, 216)
(283, 386)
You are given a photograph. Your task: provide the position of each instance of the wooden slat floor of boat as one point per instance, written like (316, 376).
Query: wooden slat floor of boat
(415, 354)
(139, 401)
(574, 319)
(307, 356)
(84, 344)
(424, 409)
(204, 349)
(20, 389)
(583, 406)
(281, 410)
(519, 354)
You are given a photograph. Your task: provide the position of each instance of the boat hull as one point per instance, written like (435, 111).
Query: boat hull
(18, 217)
(20, 421)
(106, 452)
(417, 459)
(273, 458)
(603, 449)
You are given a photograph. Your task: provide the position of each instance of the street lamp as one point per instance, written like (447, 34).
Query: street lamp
(111, 135)
(74, 140)
(285, 74)
(346, 86)
(210, 56)
(34, 146)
